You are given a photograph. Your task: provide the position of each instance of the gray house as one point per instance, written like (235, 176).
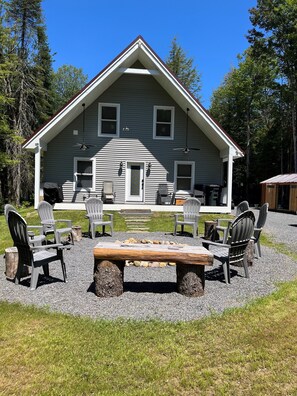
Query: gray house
(136, 125)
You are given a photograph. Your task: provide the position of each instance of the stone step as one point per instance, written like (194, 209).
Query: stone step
(136, 219)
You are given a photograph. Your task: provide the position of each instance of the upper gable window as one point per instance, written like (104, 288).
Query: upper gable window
(163, 122)
(109, 119)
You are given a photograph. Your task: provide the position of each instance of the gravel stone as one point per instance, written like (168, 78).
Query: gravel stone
(149, 292)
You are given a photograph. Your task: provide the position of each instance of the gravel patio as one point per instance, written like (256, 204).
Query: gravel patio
(150, 293)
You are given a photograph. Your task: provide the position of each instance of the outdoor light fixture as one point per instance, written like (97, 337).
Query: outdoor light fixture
(149, 165)
(126, 129)
(121, 164)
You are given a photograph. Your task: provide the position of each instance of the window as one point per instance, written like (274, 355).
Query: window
(109, 119)
(184, 176)
(163, 122)
(84, 174)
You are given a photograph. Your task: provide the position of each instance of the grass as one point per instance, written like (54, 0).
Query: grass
(246, 351)
(249, 351)
(160, 221)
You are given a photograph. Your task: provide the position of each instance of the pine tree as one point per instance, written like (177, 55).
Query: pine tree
(183, 67)
(28, 85)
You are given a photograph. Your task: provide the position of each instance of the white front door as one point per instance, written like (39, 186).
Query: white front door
(135, 181)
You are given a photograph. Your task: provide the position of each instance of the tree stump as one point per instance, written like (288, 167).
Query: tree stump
(77, 233)
(250, 252)
(109, 278)
(190, 279)
(249, 255)
(12, 262)
(210, 232)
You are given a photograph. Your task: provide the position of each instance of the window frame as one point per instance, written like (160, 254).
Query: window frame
(156, 108)
(75, 173)
(192, 163)
(117, 106)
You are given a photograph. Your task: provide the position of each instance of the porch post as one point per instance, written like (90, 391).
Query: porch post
(37, 175)
(230, 180)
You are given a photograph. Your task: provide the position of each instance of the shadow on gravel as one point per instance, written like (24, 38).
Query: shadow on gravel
(42, 280)
(217, 274)
(150, 287)
(292, 225)
(144, 287)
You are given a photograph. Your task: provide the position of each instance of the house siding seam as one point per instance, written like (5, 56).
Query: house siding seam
(137, 96)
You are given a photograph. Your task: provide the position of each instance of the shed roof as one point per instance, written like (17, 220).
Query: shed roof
(282, 179)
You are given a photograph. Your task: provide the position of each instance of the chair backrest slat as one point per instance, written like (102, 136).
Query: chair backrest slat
(241, 231)
(262, 216)
(108, 187)
(242, 207)
(45, 211)
(191, 208)
(94, 208)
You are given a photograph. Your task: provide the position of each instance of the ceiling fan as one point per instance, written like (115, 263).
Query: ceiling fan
(186, 149)
(83, 146)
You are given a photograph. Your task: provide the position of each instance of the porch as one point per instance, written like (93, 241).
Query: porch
(153, 208)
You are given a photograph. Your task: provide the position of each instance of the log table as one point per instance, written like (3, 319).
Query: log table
(109, 263)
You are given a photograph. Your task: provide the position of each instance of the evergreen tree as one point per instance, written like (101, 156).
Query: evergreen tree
(184, 69)
(243, 105)
(28, 85)
(275, 36)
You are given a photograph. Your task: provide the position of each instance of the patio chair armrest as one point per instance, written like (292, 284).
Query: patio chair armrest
(48, 222)
(110, 215)
(176, 216)
(218, 244)
(258, 229)
(46, 247)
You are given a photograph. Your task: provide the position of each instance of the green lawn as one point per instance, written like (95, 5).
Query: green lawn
(159, 222)
(247, 351)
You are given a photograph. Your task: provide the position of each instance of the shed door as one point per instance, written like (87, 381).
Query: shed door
(135, 181)
(293, 198)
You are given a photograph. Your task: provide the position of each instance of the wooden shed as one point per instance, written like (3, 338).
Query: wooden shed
(280, 192)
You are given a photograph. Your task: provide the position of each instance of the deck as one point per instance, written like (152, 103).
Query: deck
(154, 208)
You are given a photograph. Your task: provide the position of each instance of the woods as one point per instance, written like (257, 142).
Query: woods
(256, 103)
(28, 94)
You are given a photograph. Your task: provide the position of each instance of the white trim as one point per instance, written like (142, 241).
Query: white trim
(192, 163)
(75, 161)
(117, 106)
(172, 109)
(230, 181)
(37, 175)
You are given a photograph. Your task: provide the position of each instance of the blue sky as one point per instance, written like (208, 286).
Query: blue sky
(91, 33)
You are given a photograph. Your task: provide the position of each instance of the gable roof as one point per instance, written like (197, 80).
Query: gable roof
(138, 50)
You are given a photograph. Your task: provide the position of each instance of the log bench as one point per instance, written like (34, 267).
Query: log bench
(109, 263)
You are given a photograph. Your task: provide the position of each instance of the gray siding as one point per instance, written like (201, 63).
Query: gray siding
(136, 95)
